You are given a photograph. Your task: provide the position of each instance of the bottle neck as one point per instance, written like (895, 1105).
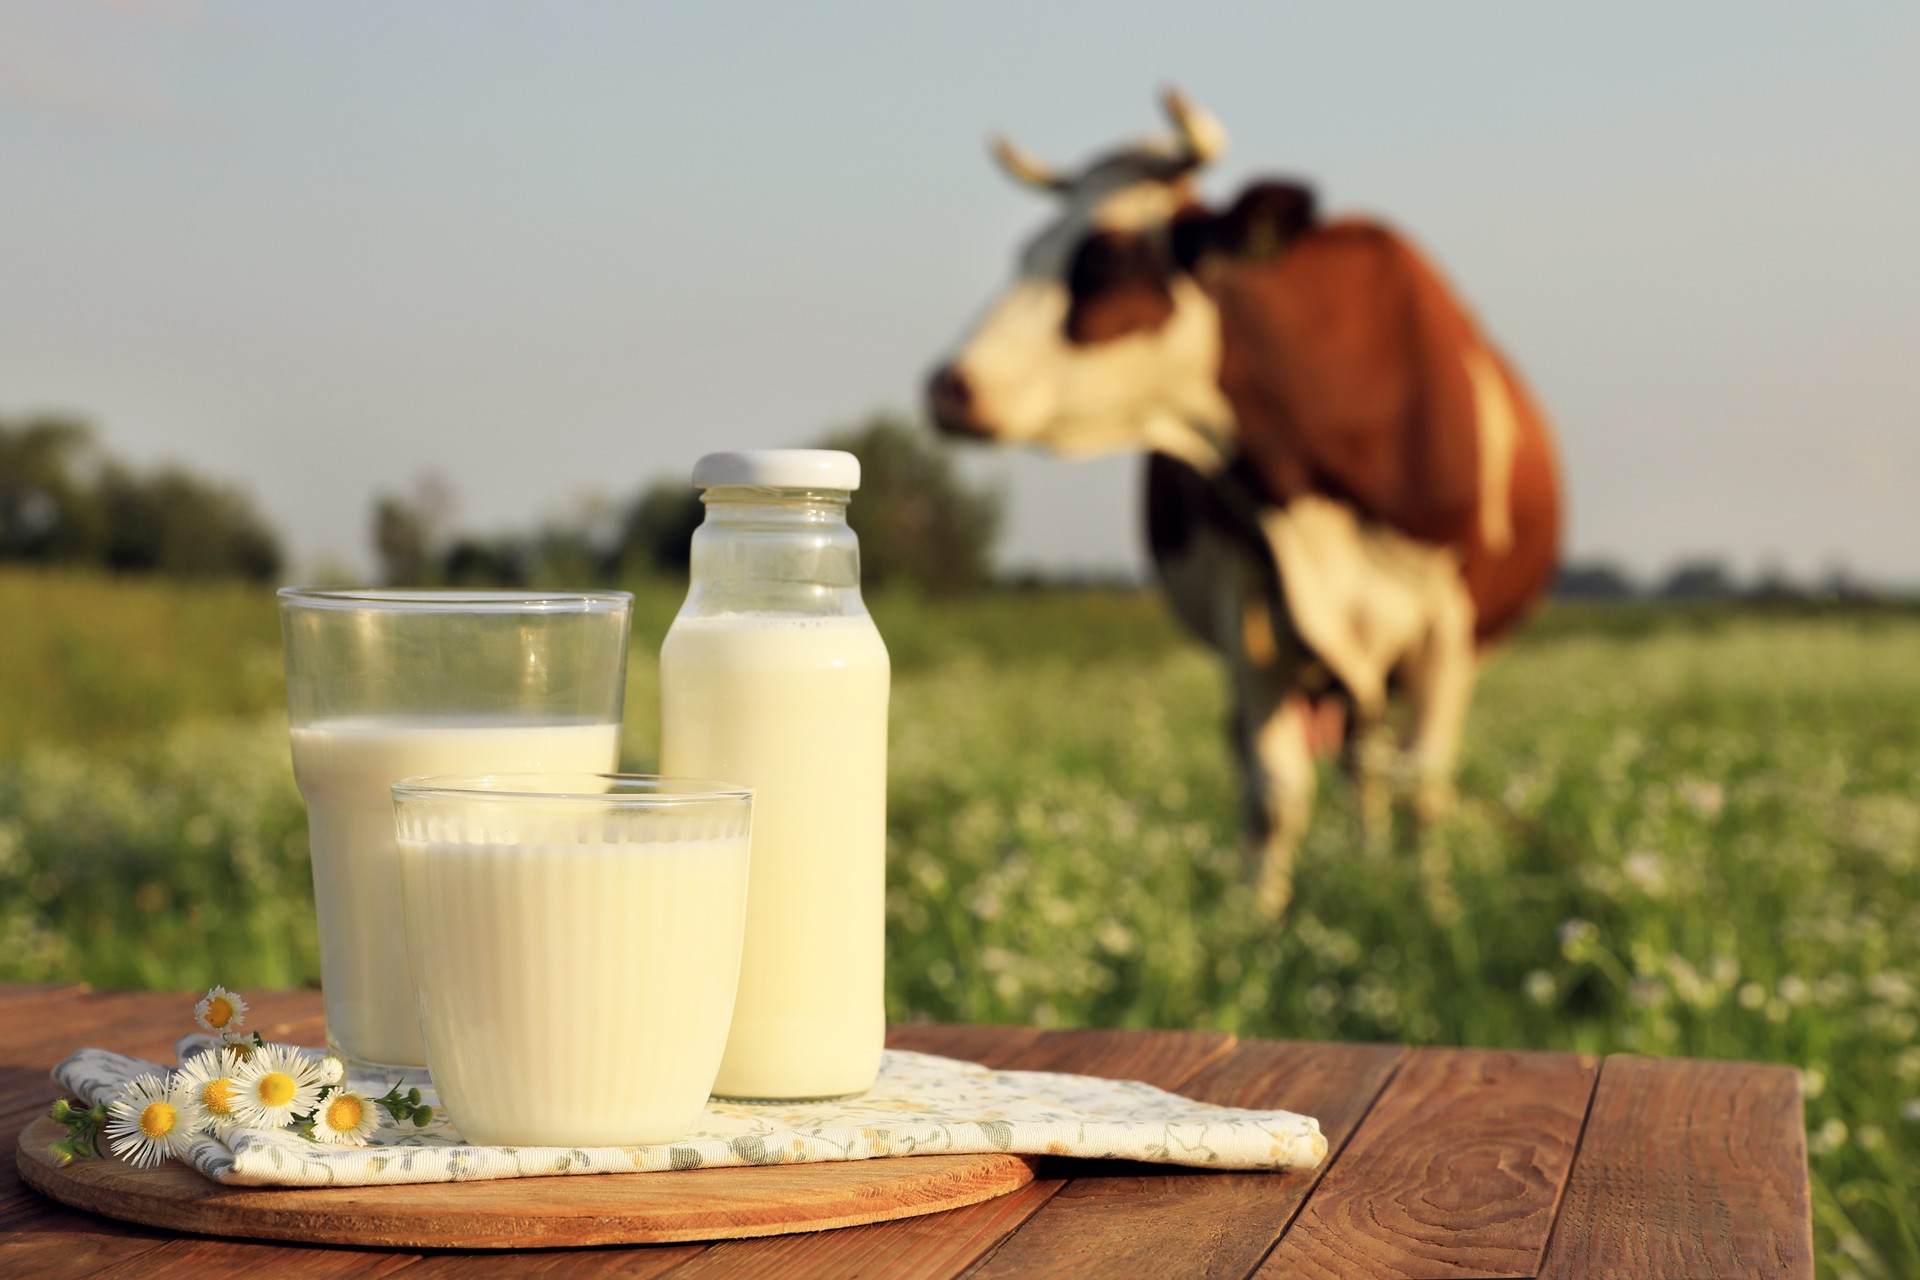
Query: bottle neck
(775, 551)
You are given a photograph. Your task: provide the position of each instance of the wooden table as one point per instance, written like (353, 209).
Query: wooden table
(1446, 1163)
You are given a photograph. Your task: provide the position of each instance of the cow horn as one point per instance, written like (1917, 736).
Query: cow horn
(1024, 166)
(1202, 137)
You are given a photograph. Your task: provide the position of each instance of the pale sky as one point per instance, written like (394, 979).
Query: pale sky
(554, 250)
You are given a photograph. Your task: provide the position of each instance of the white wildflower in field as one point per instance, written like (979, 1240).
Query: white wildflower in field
(1578, 938)
(1829, 1137)
(152, 1121)
(1647, 871)
(1706, 799)
(1891, 986)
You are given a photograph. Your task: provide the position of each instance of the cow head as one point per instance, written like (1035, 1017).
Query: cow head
(1105, 340)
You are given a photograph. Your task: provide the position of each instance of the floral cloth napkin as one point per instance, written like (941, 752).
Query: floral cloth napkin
(921, 1105)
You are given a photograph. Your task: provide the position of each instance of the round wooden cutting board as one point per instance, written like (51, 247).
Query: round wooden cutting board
(528, 1213)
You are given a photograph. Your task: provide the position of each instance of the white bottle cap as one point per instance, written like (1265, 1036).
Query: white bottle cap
(778, 469)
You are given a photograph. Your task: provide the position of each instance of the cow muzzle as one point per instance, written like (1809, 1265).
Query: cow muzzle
(951, 403)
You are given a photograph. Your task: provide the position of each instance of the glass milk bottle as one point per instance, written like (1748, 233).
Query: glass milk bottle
(774, 676)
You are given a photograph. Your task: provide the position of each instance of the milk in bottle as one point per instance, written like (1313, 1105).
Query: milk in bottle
(774, 676)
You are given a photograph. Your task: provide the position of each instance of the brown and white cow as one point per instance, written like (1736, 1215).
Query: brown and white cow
(1349, 490)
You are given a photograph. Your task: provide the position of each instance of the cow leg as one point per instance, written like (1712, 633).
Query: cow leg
(1439, 678)
(1272, 722)
(1369, 762)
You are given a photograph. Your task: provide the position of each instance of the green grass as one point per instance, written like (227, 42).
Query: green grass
(1684, 832)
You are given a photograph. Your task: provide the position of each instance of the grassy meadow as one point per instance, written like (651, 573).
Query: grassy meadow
(1682, 832)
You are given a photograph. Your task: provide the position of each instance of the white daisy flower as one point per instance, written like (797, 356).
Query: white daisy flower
(220, 1011)
(152, 1121)
(211, 1080)
(277, 1083)
(332, 1070)
(346, 1117)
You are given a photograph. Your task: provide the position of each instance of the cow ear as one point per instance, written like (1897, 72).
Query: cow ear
(1267, 218)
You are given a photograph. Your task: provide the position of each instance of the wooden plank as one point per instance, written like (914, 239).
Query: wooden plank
(195, 1259)
(939, 1245)
(990, 1046)
(1167, 1059)
(55, 1242)
(1688, 1168)
(15, 994)
(1457, 1170)
(629, 1262)
(1115, 1219)
(40, 1033)
(945, 1244)
(39, 1027)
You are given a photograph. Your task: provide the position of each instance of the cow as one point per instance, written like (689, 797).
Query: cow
(1350, 493)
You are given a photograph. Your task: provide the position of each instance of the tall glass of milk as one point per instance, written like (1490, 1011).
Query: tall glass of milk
(774, 675)
(385, 685)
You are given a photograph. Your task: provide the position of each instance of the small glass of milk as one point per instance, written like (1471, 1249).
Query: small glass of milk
(575, 946)
(384, 685)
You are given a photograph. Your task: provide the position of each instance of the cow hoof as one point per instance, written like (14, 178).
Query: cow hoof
(1434, 798)
(1273, 895)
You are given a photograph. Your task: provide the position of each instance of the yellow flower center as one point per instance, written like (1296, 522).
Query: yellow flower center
(344, 1113)
(217, 1096)
(219, 1012)
(157, 1119)
(275, 1088)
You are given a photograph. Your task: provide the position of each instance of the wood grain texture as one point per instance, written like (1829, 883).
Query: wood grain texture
(628, 1262)
(197, 1259)
(528, 1213)
(54, 1242)
(1456, 1171)
(930, 1248)
(990, 1046)
(1688, 1168)
(1118, 1219)
(946, 1244)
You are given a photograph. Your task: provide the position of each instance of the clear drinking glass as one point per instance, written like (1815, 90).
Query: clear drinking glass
(384, 685)
(575, 945)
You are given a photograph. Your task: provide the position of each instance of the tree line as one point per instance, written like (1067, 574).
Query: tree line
(919, 521)
(65, 502)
